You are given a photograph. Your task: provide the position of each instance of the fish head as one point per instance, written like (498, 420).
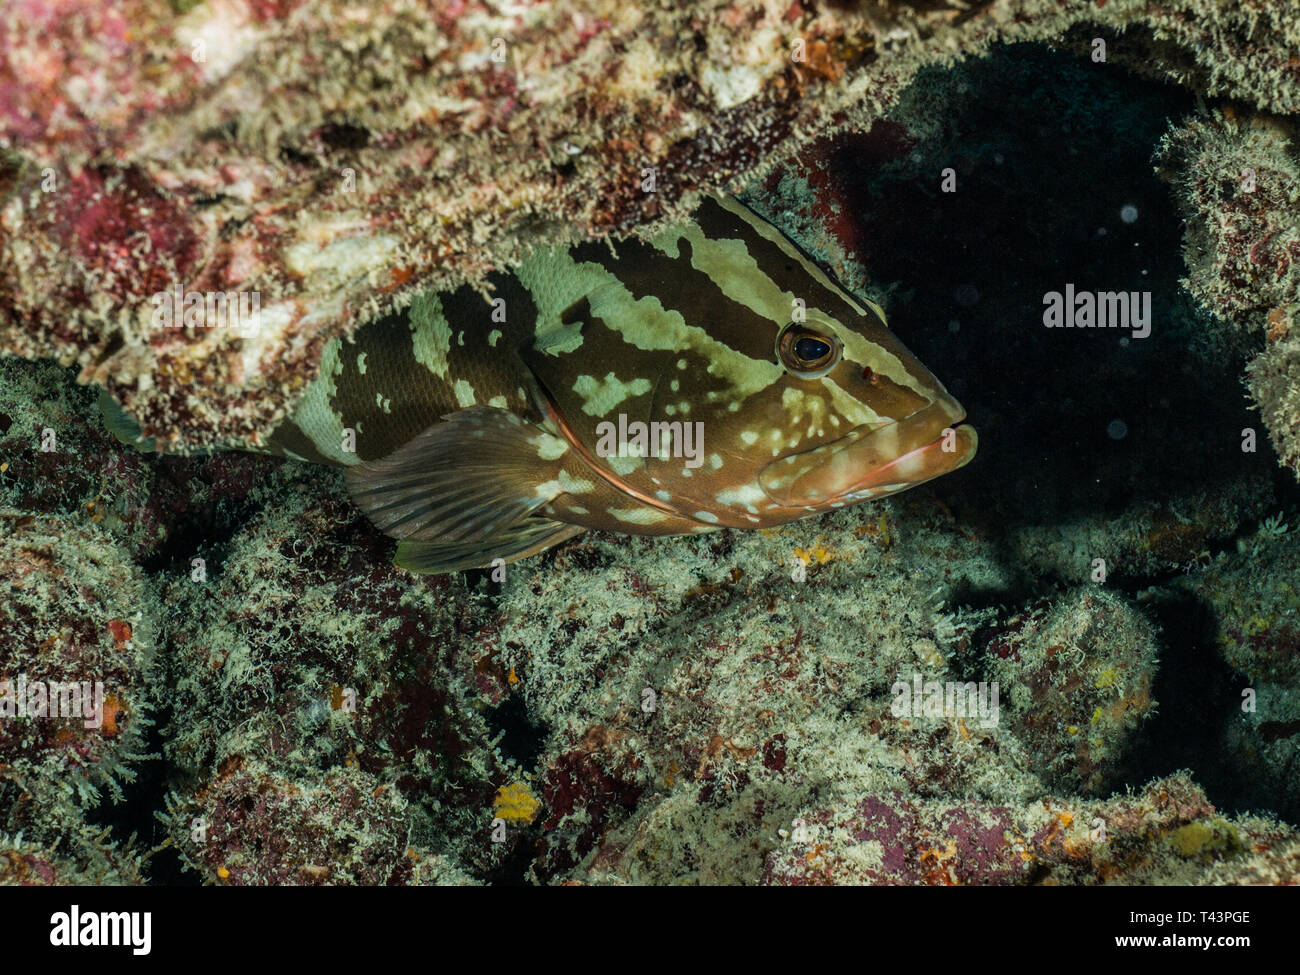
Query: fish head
(761, 390)
(862, 417)
(804, 398)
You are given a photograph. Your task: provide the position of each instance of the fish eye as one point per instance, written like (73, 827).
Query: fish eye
(807, 353)
(809, 349)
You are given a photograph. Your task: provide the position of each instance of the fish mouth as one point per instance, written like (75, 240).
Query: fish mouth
(873, 462)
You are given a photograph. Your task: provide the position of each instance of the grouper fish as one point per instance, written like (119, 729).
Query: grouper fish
(710, 377)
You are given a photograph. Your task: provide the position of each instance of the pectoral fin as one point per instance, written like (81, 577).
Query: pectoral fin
(465, 481)
(122, 424)
(528, 537)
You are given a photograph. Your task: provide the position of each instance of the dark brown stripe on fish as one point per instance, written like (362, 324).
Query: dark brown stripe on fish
(288, 437)
(721, 224)
(416, 398)
(647, 272)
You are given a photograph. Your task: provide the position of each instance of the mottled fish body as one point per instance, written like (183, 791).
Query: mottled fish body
(493, 423)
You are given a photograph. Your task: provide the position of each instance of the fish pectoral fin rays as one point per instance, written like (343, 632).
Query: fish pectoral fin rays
(464, 480)
(528, 537)
(122, 424)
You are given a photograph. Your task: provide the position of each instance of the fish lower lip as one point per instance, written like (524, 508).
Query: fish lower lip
(917, 466)
(875, 463)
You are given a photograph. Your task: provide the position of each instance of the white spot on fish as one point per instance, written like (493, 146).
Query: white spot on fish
(549, 447)
(494, 336)
(708, 516)
(464, 393)
(361, 363)
(623, 466)
(601, 396)
(745, 494)
(431, 335)
(638, 516)
(574, 485)
(748, 437)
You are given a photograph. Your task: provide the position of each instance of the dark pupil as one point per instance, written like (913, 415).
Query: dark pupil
(810, 349)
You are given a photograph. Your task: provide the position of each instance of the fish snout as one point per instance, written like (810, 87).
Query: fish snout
(875, 462)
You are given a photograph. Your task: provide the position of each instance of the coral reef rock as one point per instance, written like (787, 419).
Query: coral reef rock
(1238, 182)
(330, 158)
(77, 669)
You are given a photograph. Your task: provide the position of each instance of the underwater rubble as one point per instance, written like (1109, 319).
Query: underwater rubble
(1076, 661)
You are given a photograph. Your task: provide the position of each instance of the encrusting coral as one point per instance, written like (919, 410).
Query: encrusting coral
(1237, 177)
(76, 680)
(1167, 832)
(1079, 674)
(334, 158)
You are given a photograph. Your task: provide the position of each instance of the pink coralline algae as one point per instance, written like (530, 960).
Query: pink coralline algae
(963, 844)
(891, 839)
